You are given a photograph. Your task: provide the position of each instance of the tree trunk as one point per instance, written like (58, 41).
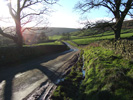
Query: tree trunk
(19, 34)
(117, 34)
(118, 28)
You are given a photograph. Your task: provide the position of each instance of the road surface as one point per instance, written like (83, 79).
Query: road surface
(36, 79)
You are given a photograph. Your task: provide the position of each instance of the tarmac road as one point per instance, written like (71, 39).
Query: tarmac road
(23, 81)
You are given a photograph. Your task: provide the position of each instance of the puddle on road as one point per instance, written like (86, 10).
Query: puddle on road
(62, 79)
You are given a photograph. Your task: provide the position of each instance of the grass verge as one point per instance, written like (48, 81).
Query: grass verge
(69, 88)
(108, 76)
(45, 43)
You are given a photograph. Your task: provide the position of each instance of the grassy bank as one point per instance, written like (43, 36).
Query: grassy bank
(123, 47)
(108, 65)
(69, 88)
(108, 76)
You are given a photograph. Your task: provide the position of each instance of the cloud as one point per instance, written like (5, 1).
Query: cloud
(99, 19)
(60, 19)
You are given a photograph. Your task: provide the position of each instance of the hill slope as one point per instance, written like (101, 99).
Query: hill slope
(57, 30)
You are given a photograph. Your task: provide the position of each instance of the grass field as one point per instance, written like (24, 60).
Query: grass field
(108, 70)
(55, 37)
(105, 36)
(86, 38)
(108, 75)
(46, 43)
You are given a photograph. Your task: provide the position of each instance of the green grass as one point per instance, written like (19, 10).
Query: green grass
(127, 35)
(109, 70)
(72, 43)
(105, 36)
(55, 37)
(91, 39)
(69, 88)
(108, 76)
(85, 38)
(47, 43)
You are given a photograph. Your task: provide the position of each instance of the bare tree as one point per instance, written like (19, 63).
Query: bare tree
(119, 8)
(23, 12)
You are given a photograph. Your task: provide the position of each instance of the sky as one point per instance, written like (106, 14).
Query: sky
(64, 15)
(67, 16)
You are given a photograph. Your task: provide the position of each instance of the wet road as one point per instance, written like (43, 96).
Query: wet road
(20, 82)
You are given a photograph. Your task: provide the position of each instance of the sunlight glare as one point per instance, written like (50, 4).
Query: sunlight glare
(4, 9)
(61, 19)
(4, 14)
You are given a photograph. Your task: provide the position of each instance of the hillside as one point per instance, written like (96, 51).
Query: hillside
(108, 76)
(128, 24)
(57, 30)
(95, 33)
(107, 65)
(49, 31)
(36, 33)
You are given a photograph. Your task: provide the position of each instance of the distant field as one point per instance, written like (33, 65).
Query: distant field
(106, 35)
(86, 38)
(58, 37)
(55, 37)
(47, 43)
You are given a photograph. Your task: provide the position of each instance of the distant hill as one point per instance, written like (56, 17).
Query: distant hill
(36, 33)
(57, 30)
(47, 30)
(39, 33)
(127, 24)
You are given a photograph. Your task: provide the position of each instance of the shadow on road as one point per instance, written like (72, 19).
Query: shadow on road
(9, 74)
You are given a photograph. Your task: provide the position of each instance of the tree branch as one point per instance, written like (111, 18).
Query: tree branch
(23, 4)
(7, 35)
(40, 13)
(30, 4)
(128, 6)
(11, 12)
